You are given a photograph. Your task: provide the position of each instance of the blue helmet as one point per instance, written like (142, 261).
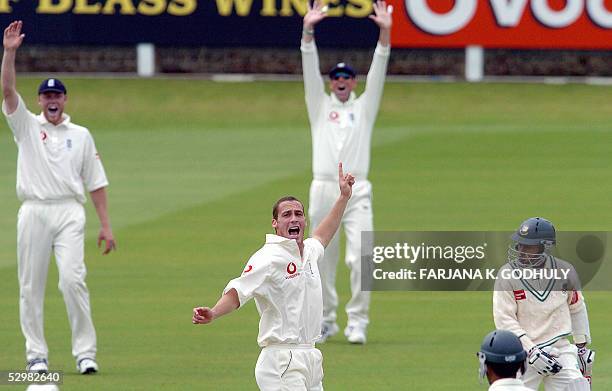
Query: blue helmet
(500, 347)
(535, 231)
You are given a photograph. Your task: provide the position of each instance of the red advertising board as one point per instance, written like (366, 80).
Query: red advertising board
(520, 24)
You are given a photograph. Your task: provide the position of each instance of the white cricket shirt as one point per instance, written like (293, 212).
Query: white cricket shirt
(509, 385)
(286, 289)
(54, 162)
(342, 132)
(539, 312)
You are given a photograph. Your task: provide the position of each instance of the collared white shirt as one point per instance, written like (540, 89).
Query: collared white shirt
(286, 289)
(54, 162)
(509, 385)
(342, 132)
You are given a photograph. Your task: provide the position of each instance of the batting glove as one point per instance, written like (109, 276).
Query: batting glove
(544, 363)
(586, 357)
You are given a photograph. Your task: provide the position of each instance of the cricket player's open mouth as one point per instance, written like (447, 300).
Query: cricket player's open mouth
(341, 88)
(294, 231)
(53, 109)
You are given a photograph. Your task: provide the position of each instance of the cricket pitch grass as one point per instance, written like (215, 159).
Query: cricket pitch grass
(195, 167)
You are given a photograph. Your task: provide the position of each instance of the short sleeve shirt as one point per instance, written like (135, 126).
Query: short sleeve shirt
(286, 289)
(54, 162)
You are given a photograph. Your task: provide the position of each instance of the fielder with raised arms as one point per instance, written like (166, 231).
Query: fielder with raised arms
(57, 165)
(341, 125)
(544, 315)
(283, 278)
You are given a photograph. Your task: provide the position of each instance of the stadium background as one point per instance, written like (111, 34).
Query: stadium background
(196, 164)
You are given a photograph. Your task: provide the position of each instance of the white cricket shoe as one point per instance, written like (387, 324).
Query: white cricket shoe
(42, 387)
(38, 365)
(86, 366)
(328, 330)
(355, 334)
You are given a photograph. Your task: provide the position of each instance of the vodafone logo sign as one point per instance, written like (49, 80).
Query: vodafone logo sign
(291, 268)
(505, 23)
(507, 13)
(291, 271)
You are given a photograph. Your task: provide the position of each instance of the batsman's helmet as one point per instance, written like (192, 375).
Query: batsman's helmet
(500, 347)
(535, 231)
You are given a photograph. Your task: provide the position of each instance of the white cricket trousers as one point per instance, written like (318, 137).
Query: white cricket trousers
(357, 217)
(558, 382)
(290, 368)
(43, 227)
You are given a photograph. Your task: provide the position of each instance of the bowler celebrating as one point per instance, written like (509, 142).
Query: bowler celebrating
(56, 166)
(341, 126)
(283, 278)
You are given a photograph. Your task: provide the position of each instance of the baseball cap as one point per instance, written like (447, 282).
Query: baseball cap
(341, 69)
(51, 85)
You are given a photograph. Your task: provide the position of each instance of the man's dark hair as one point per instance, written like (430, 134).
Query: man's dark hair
(281, 200)
(507, 370)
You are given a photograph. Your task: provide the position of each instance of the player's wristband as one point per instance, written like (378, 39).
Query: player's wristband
(305, 31)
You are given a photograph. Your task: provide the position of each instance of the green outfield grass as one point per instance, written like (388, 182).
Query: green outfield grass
(195, 167)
